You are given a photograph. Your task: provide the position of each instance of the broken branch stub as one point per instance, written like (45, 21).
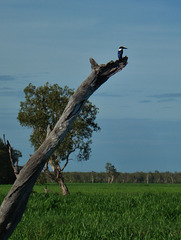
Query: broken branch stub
(14, 204)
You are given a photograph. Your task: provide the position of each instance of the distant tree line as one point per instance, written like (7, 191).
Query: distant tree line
(119, 177)
(110, 175)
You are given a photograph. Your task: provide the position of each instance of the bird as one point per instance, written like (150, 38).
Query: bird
(120, 52)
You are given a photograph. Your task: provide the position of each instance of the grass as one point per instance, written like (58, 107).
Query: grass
(102, 211)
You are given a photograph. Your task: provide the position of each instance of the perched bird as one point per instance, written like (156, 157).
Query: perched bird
(120, 52)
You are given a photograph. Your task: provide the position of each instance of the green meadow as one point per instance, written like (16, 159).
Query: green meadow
(102, 211)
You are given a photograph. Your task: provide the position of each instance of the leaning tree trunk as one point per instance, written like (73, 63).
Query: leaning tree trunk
(14, 204)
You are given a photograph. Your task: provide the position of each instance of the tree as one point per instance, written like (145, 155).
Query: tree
(42, 107)
(149, 177)
(7, 175)
(111, 172)
(92, 176)
(14, 204)
(157, 176)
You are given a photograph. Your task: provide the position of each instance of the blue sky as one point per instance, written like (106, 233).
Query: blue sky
(139, 108)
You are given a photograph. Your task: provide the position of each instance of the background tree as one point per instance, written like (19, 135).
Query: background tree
(111, 172)
(42, 107)
(7, 175)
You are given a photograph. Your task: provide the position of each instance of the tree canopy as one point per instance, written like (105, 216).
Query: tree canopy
(44, 105)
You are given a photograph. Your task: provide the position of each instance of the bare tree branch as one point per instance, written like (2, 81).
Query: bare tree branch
(67, 158)
(10, 154)
(15, 167)
(51, 175)
(14, 204)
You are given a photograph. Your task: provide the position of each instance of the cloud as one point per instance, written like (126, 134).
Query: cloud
(145, 101)
(167, 95)
(7, 78)
(8, 92)
(167, 100)
(5, 89)
(7, 113)
(104, 94)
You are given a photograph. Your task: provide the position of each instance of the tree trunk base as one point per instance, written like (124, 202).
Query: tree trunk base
(63, 186)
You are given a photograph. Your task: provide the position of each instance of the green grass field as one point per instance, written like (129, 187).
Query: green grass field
(102, 211)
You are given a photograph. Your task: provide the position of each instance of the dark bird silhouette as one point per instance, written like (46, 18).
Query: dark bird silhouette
(120, 52)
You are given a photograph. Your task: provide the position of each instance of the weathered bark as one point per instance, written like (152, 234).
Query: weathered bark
(14, 204)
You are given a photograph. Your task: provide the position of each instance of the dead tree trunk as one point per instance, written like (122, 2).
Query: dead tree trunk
(14, 204)
(14, 163)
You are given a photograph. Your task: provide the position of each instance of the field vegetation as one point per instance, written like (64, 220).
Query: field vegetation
(102, 211)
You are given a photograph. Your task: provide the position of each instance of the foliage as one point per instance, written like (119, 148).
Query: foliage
(103, 211)
(44, 105)
(16, 154)
(110, 169)
(6, 170)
